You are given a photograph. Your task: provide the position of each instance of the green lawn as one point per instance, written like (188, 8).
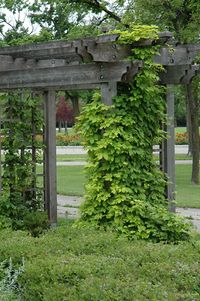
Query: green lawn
(181, 129)
(188, 194)
(84, 157)
(71, 157)
(71, 180)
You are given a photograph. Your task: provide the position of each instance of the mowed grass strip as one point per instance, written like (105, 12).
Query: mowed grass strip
(67, 158)
(71, 181)
(188, 194)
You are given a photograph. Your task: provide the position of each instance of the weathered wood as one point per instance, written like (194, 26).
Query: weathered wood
(7, 63)
(69, 75)
(64, 49)
(178, 55)
(173, 74)
(190, 74)
(168, 149)
(108, 91)
(50, 156)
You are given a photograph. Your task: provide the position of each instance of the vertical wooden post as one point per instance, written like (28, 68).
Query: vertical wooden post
(168, 149)
(108, 91)
(50, 156)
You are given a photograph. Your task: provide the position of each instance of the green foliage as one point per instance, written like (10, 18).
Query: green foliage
(178, 16)
(21, 119)
(86, 264)
(36, 222)
(125, 189)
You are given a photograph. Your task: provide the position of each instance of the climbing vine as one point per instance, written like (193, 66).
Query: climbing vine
(22, 121)
(125, 188)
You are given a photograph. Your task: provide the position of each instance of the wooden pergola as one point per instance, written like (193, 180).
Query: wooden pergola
(90, 64)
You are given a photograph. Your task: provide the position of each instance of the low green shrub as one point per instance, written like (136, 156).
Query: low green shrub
(87, 264)
(5, 222)
(36, 222)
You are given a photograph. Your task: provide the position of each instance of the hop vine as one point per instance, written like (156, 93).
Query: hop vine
(125, 189)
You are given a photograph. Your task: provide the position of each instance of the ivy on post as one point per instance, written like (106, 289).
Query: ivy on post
(50, 156)
(168, 149)
(125, 189)
(20, 194)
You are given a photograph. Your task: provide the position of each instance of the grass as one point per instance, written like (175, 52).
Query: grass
(182, 130)
(188, 194)
(71, 181)
(76, 157)
(71, 157)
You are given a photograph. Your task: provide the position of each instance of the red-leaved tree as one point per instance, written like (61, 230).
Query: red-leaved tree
(64, 113)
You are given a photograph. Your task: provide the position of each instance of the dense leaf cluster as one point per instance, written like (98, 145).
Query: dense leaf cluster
(125, 188)
(22, 121)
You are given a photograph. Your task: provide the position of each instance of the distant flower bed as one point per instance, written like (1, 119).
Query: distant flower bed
(181, 138)
(75, 139)
(65, 140)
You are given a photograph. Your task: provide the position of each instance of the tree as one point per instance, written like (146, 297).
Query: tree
(64, 114)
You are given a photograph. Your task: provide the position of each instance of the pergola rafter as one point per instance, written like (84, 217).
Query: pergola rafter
(89, 64)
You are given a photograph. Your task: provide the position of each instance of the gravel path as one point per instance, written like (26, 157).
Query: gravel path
(68, 206)
(82, 163)
(74, 150)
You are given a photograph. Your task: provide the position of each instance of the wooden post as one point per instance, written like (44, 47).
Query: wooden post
(108, 91)
(168, 149)
(50, 156)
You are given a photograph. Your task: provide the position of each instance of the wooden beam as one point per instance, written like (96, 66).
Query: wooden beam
(177, 55)
(108, 91)
(50, 156)
(173, 74)
(69, 75)
(191, 72)
(64, 49)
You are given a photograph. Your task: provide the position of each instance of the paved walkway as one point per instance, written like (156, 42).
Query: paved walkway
(79, 150)
(82, 163)
(68, 207)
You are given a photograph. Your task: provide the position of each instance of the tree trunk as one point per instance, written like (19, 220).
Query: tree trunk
(66, 129)
(59, 126)
(75, 104)
(194, 113)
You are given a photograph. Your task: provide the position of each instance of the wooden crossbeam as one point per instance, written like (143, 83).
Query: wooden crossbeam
(63, 76)
(190, 74)
(101, 49)
(173, 74)
(178, 55)
(181, 74)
